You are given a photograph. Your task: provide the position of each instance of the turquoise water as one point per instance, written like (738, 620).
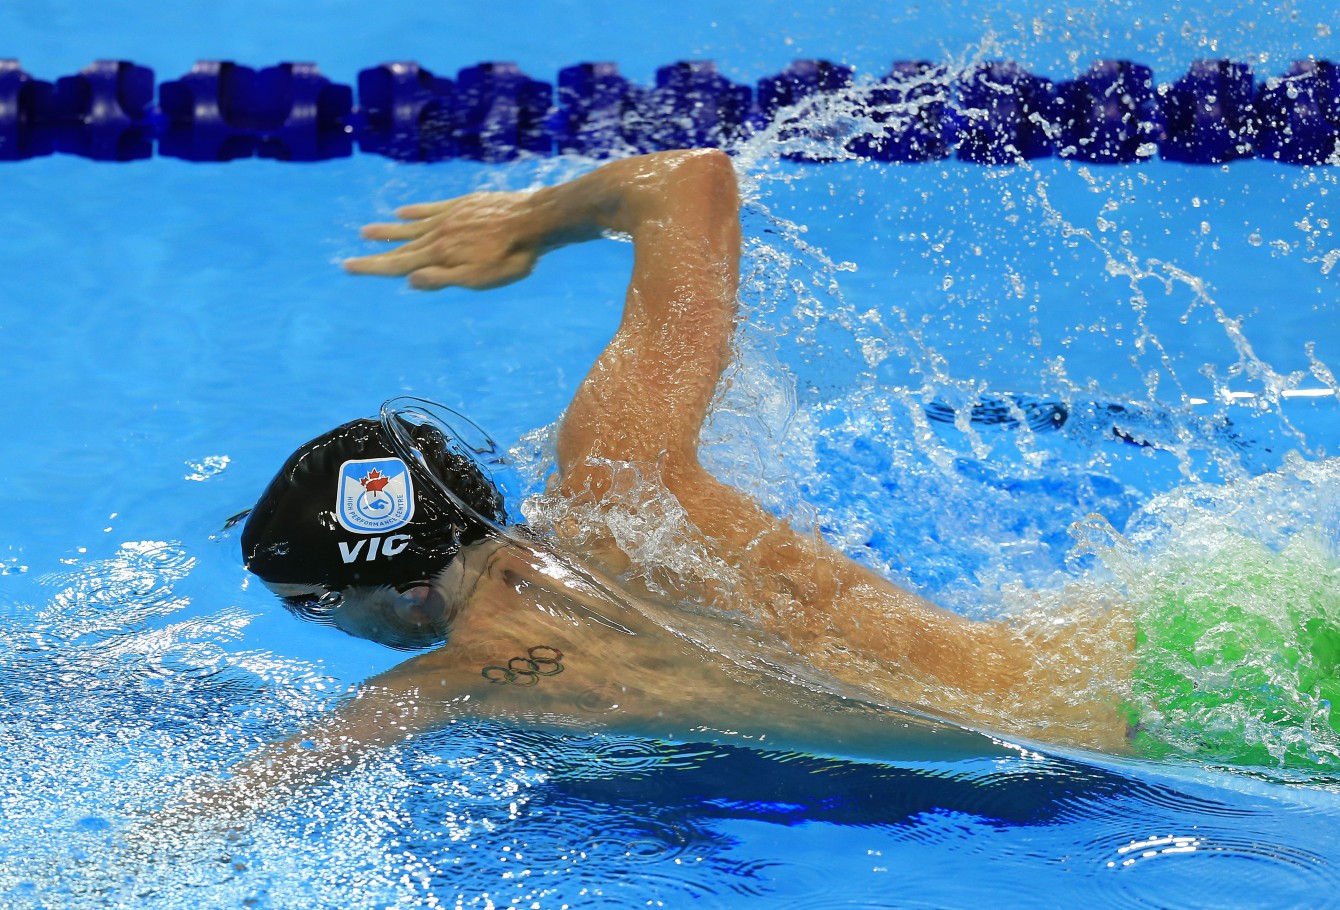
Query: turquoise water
(169, 331)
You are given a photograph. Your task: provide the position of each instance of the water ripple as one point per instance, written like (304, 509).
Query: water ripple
(1204, 867)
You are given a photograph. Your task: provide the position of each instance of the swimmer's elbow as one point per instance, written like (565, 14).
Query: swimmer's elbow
(690, 176)
(712, 162)
(712, 173)
(703, 198)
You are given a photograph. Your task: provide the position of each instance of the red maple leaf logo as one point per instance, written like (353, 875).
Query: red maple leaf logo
(374, 482)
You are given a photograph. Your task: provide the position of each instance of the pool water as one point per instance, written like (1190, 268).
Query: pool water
(170, 331)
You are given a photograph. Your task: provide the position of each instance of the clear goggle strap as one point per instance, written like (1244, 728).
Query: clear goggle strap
(462, 436)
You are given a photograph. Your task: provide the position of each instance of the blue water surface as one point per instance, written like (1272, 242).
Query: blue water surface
(170, 331)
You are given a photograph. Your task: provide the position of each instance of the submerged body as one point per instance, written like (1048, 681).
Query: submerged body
(540, 640)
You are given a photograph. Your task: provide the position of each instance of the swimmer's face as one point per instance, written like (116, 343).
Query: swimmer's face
(410, 617)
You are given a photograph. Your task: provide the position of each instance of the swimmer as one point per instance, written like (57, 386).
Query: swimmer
(391, 530)
(504, 612)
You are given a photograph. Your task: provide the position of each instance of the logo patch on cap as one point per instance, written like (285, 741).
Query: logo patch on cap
(375, 494)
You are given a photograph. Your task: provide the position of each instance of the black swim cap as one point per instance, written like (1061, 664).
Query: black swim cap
(375, 502)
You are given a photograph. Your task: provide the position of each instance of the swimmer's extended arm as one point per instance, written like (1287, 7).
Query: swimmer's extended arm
(410, 701)
(647, 395)
(376, 717)
(703, 704)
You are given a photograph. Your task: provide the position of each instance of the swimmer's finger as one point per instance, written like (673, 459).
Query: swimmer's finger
(391, 264)
(424, 209)
(477, 276)
(395, 231)
(428, 239)
(434, 278)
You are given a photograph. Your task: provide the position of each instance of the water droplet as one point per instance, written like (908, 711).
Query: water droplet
(207, 467)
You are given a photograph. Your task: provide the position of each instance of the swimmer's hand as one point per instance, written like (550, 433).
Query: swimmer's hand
(480, 241)
(677, 201)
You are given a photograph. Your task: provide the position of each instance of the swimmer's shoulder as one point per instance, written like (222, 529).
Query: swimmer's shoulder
(528, 652)
(517, 646)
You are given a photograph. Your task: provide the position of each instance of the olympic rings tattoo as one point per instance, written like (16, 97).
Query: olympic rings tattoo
(540, 660)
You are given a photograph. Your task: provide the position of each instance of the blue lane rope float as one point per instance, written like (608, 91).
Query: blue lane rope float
(993, 113)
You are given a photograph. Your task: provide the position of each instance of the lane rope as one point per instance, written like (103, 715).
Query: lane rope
(992, 113)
